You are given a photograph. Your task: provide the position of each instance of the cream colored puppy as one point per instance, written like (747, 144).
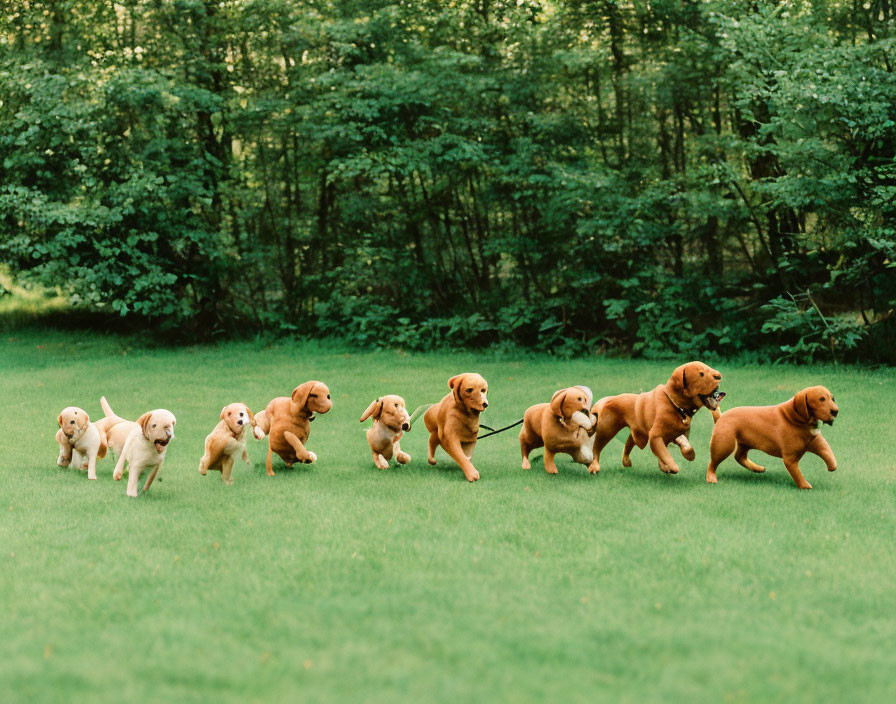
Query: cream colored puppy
(81, 442)
(390, 421)
(142, 443)
(228, 440)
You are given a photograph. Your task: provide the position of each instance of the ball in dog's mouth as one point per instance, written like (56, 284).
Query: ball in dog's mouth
(711, 401)
(161, 445)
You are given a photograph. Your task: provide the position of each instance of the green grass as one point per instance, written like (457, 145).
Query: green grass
(342, 582)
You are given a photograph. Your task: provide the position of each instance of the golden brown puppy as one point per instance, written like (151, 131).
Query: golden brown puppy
(81, 442)
(228, 440)
(453, 422)
(565, 425)
(390, 420)
(658, 417)
(788, 430)
(287, 420)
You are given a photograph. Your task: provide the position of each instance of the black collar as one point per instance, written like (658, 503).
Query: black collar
(683, 412)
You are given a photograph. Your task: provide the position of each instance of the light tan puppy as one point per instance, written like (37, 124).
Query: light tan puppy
(453, 422)
(141, 444)
(788, 430)
(565, 425)
(287, 420)
(228, 440)
(390, 420)
(658, 417)
(81, 442)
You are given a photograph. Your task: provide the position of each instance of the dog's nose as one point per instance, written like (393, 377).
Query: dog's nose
(405, 426)
(834, 413)
(485, 404)
(240, 421)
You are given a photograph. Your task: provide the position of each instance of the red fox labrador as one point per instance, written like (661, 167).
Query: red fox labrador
(453, 422)
(658, 417)
(565, 425)
(788, 430)
(287, 420)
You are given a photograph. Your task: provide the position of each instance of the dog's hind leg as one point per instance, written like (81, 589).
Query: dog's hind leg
(149, 479)
(740, 455)
(792, 462)
(268, 463)
(721, 445)
(626, 452)
(609, 422)
(433, 444)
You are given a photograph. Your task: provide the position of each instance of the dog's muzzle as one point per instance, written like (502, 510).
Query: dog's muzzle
(712, 401)
(405, 426)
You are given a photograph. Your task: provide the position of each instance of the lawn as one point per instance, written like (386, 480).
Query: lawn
(338, 581)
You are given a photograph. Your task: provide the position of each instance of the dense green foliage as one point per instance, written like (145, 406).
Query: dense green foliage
(338, 582)
(655, 176)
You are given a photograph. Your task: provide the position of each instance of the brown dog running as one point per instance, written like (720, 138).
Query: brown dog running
(565, 425)
(788, 430)
(390, 421)
(287, 420)
(228, 440)
(453, 422)
(658, 417)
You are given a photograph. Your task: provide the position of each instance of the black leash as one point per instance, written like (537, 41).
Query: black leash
(501, 430)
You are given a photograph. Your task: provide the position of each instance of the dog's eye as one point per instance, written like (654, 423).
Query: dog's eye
(701, 373)
(153, 425)
(328, 395)
(821, 399)
(312, 395)
(469, 391)
(72, 422)
(396, 405)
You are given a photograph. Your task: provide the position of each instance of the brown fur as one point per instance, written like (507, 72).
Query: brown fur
(562, 426)
(652, 418)
(788, 430)
(228, 440)
(453, 422)
(287, 420)
(390, 421)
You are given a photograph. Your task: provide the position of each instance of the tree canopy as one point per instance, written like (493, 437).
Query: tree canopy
(659, 177)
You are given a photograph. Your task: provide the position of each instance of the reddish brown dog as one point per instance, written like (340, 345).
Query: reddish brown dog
(287, 420)
(453, 422)
(788, 430)
(658, 417)
(565, 425)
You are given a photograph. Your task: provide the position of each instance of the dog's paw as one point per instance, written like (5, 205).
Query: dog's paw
(550, 469)
(711, 477)
(832, 469)
(669, 468)
(64, 462)
(381, 462)
(689, 454)
(594, 467)
(526, 463)
(132, 494)
(626, 461)
(402, 458)
(804, 485)
(310, 458)
(431, 460)
(259, 433)
(472, 475)
(227, 482)
(117, 477)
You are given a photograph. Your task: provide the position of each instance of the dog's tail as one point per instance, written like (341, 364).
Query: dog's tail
(262, 424)
(107, 409)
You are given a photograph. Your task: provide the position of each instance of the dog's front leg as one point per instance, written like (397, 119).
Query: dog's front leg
(91, 464)
(246, 457)
(819, 446)
(456, 452)
(400, 457)
(302, 455)
(433, 444)
(119, 465)
(268, 463)
(78, 460)
(667, 464)
(133, 479)
(226, 469)
(687, 451)
(65, 450)
(792, 462)
(149, 479)
(379, 461)
(549, 465)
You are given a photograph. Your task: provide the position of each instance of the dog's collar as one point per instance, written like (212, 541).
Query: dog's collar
(683, 412)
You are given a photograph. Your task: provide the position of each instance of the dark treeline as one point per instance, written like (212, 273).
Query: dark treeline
(652, 176)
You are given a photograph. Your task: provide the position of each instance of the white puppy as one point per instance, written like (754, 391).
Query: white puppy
(142, 444)
(81, 442)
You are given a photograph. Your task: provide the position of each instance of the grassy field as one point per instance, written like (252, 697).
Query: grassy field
(339, 581)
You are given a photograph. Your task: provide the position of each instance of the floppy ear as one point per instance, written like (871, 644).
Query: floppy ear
(300, 393)
(454, 383)
(222, 412)
(557, 401)
(143, 421)
(684, 378)
(801, 405)
(375, 409)
(250, 414)
(82, 422)
(59, 420)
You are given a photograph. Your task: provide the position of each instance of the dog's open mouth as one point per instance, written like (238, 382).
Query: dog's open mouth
(829, 421)
(712, 401)
(161, 445)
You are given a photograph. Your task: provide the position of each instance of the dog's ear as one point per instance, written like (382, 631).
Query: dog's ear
(300, 393)
(679, 380)
(143, 421)
(454, 383)
(250, 414)
(684, 378)
(59, 420)
(557, 401)
(801, 407)
(83, 420)
(375, 409)
(222, 412)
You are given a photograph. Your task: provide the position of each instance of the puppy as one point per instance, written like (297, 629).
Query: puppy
(453, 422)
(788, 430)
(142, 444)
(565, 425)
(80, 441)
(228, 440)
(390, 420)
(287, 420)
(658, 417)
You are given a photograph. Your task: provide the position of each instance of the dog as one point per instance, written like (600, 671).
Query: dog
(390, 421)
(565, 425)
(453, 422)
(287, 420)
(141, 444)
(788, 430)
(81, 442)
(658, 417)
(228, 440)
